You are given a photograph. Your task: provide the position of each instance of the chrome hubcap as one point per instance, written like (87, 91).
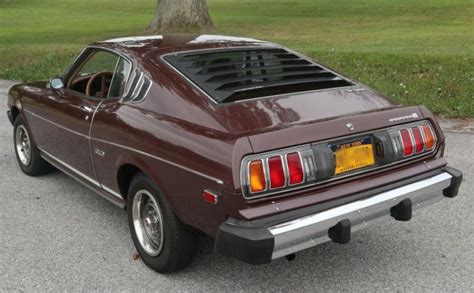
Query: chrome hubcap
(148, 222)
(23, 145)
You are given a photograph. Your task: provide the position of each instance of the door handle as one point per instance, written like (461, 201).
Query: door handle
(86, 108)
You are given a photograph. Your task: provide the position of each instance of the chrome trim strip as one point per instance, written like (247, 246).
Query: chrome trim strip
(410, 132)
(84, 176)
(70, 174)
(129, 89)
(217, 180)
(146, 93)
(138, 87)
(134, 98)
(55, 124)
(312, 230)
(114, 193)
(94, 182)
(266, 173)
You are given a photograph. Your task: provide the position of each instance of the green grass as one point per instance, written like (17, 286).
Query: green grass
(417, 52)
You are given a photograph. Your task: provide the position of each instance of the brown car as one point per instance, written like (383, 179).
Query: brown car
(248, 142)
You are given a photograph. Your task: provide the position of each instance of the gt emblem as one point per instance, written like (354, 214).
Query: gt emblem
(350, 126)
(99, 152)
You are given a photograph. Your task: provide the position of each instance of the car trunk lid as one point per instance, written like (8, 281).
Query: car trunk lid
(262, 115)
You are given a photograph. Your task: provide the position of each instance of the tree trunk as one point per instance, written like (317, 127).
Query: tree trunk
(181, 16)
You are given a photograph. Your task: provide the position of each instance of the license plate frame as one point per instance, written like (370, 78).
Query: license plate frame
(353, 155)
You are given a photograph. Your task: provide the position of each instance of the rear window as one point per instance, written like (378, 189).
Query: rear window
(240, 74)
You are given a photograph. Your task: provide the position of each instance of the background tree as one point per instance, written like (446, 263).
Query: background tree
(181, 16)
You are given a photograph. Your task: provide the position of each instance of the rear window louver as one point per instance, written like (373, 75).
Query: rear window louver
(239, 74)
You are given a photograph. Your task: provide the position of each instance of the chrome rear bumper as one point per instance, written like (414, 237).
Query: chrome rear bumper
(258, 244)
(312, 230)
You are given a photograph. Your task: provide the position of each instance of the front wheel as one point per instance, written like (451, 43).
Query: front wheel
(27, 154)
(162, 241)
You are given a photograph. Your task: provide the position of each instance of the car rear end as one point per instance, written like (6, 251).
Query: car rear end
(329, 156)
(324, 190)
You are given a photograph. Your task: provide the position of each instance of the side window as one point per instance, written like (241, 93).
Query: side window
(102, 75)
(100, 61)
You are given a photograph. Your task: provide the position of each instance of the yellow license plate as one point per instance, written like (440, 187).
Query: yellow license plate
(353, 155)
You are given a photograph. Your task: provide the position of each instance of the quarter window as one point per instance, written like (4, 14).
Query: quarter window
(122, 72)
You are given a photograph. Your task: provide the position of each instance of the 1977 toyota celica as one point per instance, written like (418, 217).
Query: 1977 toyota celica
(255, 145)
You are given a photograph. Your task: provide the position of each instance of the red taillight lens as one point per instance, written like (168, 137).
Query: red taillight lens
(277, 175)
(430, 138)
(257, 176)
(418, 137)
(295, 169)
(407, 142)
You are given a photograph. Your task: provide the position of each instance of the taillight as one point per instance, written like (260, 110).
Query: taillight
(278, 171)
(430, 137)
(313, 163)
(418, 138)
(257, 176)
(414, 140)
(407, 142)
(277, 174)
(295, 169)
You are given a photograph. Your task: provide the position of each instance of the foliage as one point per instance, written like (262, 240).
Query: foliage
(417, 52)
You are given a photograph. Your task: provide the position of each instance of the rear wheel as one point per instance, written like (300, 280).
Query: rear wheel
(27, 154)
(162, 241)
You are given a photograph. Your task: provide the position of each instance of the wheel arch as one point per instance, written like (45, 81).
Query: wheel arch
(125, 175)
(129, 169)
(15, 112)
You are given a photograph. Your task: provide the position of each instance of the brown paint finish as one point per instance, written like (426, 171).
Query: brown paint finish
(185, 142)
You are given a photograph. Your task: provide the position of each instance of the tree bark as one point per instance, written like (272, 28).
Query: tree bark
(181, 16)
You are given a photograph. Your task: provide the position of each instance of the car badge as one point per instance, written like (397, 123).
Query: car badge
(411, 116)
(350, 126)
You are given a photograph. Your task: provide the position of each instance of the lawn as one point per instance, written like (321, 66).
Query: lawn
(417, 52)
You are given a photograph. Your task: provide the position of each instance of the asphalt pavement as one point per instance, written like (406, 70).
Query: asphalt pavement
(56, 235)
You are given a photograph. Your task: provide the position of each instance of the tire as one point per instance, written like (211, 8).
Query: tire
(175, 246)
(27, 154)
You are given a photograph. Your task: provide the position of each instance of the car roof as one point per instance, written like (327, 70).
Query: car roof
(140, 46)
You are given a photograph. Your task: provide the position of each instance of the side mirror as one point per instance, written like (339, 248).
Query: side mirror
(56, 83)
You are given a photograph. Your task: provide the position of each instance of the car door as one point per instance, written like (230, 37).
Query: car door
(108, 128)
(70, 111)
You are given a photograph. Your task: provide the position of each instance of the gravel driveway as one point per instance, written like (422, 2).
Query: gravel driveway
(57, 235)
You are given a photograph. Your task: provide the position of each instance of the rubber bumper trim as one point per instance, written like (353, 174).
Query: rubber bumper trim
(253, 245)
(453, 189)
